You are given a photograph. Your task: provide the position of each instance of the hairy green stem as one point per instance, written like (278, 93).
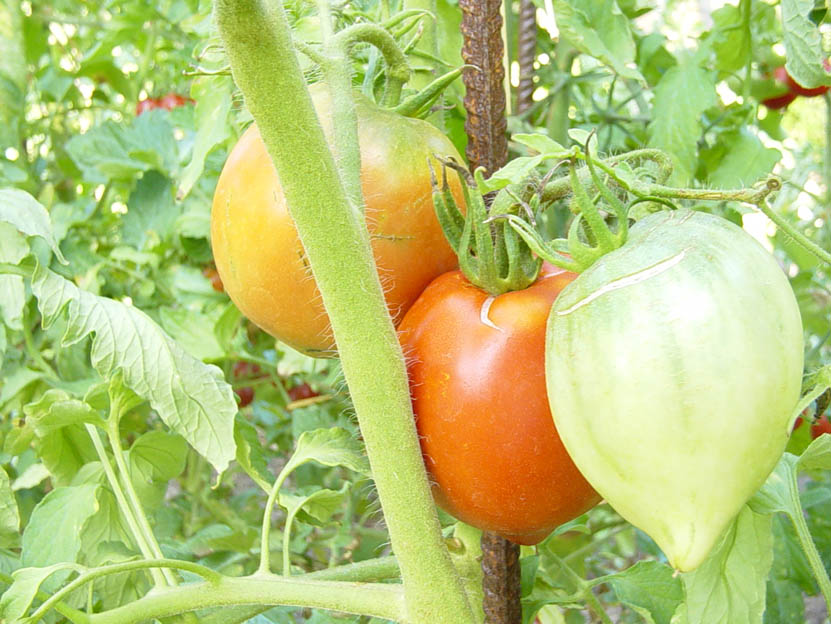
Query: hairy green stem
(398, 70)
(807, 543)
(338, 74)
(123, 505)
(378, 600)
(135, 503)
(334, 236)
(795, 234)
(265, 533)
(747, 14)
(381, 569)
(583, 588)
(827, 164)
(89, 576)
(73, 615)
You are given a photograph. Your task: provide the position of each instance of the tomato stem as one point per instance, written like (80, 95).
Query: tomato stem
(398, 70)
(807, 543)
(257, 39)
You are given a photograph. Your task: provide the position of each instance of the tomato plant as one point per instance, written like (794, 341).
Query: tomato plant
(671, 338)
(261, 260)
(478, 386)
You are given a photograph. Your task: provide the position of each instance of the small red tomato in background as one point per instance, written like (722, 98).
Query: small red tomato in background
(818, 427)
(798, 89)
(145, 105)
(245, 370)
(821, 425)
(173, 100)
(301, 391)
(212, 275)
(783, 94)
(477, 376)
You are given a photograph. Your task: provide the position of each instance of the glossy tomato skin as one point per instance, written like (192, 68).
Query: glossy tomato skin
(259, 255)
(487, 436)
(688, 341)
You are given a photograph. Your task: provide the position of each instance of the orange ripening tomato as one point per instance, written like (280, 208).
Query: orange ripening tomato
(259, 255)
(477, 376)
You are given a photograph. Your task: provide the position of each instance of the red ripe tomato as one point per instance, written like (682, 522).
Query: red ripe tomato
(145, 105)
(798, 89)
(245, 370)
(245, 395)
(783, 99)
(477, 377)
(821, 425)
(301, 391)
(259, 255)
(173, 100)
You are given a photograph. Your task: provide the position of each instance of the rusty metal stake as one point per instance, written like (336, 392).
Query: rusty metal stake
(488, 147)
(526, 54)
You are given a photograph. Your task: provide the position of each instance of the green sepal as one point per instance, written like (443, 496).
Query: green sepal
(418, 104)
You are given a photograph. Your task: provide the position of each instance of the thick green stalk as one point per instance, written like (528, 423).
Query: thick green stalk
(379, 600)
(336, 242)
(338, 75)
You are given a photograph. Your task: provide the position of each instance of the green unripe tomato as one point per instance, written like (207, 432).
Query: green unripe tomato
(673, 367)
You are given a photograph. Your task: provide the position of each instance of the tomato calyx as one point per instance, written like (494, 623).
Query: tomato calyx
(589, 236)
(491, 255)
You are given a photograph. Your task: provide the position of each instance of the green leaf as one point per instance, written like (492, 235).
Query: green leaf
(729, 587)
(56, 526)
(330, 447)
(9, 515)
(16, 382)
(151, 211)
(682, 95)
(319, 505)
(649, 586)
(776, 493)
(599, 29)
(789, 576)
(803, 44)
(817, 456)
(729, 39)
(31, 477)
(65, 451)
(213, 104)
(194, 331)
(26, 214)
(192, 398)
(55, 409)
(515, 171)
(746, 161)
(18, 598)
(12, 301)
(155, 458)
(113, 151)
(251, 455)
(542, 144)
